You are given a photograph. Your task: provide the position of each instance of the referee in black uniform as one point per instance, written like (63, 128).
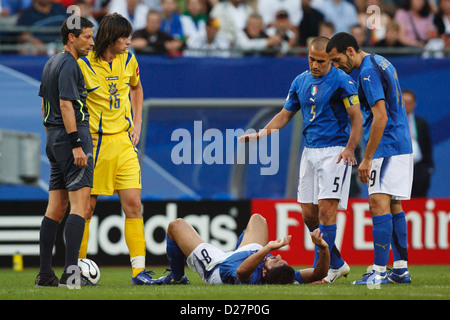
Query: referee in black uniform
(69, 149)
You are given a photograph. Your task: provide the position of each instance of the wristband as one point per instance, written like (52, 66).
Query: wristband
(74, 140)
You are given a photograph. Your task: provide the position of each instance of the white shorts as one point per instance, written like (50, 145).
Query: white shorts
(205, 260)
(322, 178)
(393, 176)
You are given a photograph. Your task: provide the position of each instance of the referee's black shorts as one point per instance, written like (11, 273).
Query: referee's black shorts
(64, 174)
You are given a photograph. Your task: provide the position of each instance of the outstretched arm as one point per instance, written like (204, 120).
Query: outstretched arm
(277, 123)
(323, 264)
(246, 269)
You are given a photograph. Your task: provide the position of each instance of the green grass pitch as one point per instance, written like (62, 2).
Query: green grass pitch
(429, 283)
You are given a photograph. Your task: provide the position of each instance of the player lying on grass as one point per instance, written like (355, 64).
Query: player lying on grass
(250, 263)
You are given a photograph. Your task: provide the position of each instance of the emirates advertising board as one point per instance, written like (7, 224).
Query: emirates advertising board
(221, 223)
(427, 220)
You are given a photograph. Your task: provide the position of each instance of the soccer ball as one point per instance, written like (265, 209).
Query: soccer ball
(89, 269)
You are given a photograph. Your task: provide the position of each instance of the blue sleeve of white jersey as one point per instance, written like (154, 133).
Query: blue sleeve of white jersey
(372, 86)
(292, 101)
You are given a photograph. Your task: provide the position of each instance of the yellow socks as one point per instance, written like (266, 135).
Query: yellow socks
(84, 242)
(135, 239)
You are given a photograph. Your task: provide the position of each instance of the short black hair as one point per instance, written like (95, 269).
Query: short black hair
(71, 27)
(341, 41)
(279, 275)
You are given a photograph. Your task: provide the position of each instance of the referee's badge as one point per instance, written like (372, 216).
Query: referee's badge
(112, 88)
(313, 90)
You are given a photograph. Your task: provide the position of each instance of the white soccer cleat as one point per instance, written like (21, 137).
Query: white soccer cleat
(334, 274)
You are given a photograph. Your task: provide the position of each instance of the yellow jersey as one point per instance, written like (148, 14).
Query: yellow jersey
(108, 86)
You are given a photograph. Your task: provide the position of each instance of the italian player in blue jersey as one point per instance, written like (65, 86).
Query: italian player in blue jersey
(250, 263)
(387, 165)
(332, 128)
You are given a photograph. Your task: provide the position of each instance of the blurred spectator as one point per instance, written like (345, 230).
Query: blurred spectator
(341, 13)
(309, 26)
(392, 37)
(209, 4)
(422, 147)
(326, 29)
(435, 48)
(65, 3)
(193, 18)
(360, 34)
(153, 4)
(210, 44)
(232, 16)
(282, 27)
(253, 39)
(415, 22)
(152, 38)
(42, 13)
(86, 12)
(374, 26)
(253, 4)
(171, 22)
(13, 7)
(269, 8)
(133, 10)
(100, 8)
(442, 18)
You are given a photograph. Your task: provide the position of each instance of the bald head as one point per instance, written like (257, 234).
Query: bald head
(319, 44)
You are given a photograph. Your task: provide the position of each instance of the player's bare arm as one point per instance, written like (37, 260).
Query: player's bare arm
(277, 123)
(323, 264)
(348, 155)
(137, 101)
(376, 133)
(68, 115)
(246, 269)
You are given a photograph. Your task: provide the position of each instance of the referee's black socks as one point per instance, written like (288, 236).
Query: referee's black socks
(73, 234)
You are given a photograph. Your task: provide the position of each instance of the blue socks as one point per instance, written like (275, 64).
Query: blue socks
(329, 235)
(382, 235)
(399, 241)
(176, 259)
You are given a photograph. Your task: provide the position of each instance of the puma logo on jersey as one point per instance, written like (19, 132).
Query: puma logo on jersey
(368, 78)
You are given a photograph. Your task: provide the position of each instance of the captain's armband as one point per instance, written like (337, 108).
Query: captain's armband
(351, 101)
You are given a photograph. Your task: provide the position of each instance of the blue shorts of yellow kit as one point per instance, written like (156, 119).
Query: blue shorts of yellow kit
(116, 164)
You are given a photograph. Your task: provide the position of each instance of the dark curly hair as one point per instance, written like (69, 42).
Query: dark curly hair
(279, 275)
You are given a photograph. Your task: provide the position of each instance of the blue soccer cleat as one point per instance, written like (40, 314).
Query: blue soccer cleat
(373, 278)
(169, 280)
(399, 276)
(143, 278)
